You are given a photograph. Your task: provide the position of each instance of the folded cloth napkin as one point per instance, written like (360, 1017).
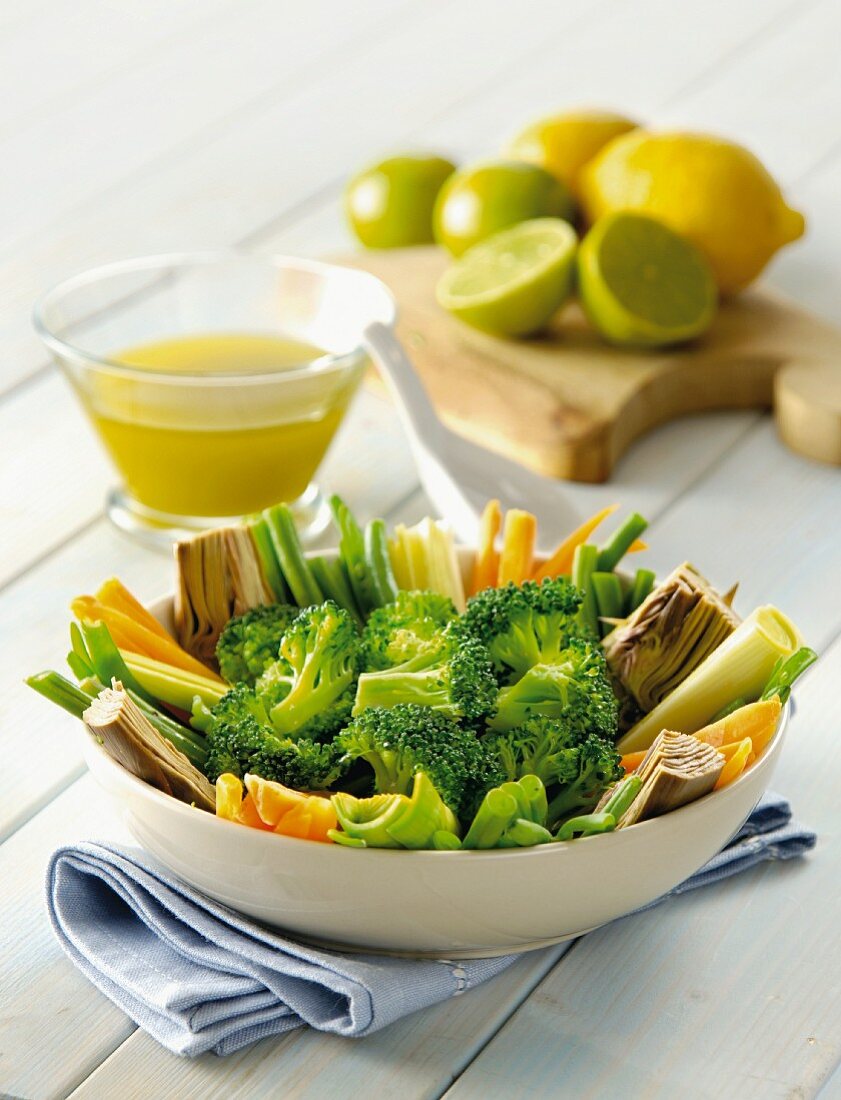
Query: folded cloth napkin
(198, 976)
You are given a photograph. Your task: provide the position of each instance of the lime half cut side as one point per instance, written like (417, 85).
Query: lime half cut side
(512, 283)
(642, 285)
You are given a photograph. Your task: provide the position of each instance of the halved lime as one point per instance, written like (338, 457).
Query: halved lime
(641, 284)
(512, 283)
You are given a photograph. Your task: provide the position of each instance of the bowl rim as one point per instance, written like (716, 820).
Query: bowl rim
(696, 808)
(325, 363)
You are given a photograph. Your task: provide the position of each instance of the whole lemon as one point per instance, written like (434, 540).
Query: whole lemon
(563, 144)
(712, 191)
(389, 204)
(480, 200)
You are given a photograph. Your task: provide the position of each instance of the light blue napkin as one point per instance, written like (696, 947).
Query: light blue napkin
(198, 976)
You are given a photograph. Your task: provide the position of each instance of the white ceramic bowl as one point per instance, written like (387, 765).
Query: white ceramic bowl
(437, 904)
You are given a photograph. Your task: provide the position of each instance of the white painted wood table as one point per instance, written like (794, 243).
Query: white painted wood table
(148, 125)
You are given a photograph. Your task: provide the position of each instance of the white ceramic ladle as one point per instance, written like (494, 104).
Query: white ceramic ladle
(459, 476)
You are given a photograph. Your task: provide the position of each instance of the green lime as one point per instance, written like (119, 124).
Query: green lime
(512, 283)
(390, 204)
(479, 201)
(642, 285)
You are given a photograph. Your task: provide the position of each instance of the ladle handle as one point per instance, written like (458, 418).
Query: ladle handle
(417, 414)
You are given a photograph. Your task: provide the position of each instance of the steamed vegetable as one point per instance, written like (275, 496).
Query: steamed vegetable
(669, 635)
(512, 815)
(424, 557)
(406, 739)
(739, 667)
(574, 690)
(486, 563)
(677, 769)
(251, 642)
(395, 820)
(128, 735)
(524, 625)
(315, 673)
(241, 739)
(275, 808)
(400, 630)
(516, 561)
(450, 673)
(560, 561)
(575, 763)
(219, 574)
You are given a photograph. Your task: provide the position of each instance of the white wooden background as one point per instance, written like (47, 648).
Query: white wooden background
(130, 126)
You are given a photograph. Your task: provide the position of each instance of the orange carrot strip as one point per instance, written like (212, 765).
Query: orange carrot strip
(517, 558)
(632, 760)
(113, 593)
(560, 561)
(736, 764)
(636, 546)
(729, 751)
(131, 635)
(486, 564)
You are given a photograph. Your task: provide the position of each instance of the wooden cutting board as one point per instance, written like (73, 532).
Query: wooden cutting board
(569, 406)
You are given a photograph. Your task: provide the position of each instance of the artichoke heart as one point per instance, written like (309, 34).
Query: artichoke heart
(220, 576)
(672, 632)
(129, 737)
(677, 769)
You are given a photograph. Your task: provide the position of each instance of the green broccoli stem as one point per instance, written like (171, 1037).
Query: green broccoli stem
(352, 551)
(262, 536)
(607, 589)
(640, 588)
(333, 582)
(59, 690)
(378, 560)
(587, 825)
(584, 564)
(296, 571)
(534, 793)
(619, 543)
(786, 671)
(498, 810)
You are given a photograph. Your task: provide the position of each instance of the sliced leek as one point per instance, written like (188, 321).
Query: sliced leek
(738, 668)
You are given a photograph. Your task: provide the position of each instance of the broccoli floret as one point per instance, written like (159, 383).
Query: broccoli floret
(405, 739)
(240, 739)
(575, 766)
(584, 774)
(398, 631)
(251, 642)
(575, 691)
(452, 674)
(524, 625)
(315, 674)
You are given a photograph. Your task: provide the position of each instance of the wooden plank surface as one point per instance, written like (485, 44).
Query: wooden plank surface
(245, 140)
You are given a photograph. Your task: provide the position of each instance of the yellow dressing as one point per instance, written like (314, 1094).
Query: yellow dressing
(216, 445)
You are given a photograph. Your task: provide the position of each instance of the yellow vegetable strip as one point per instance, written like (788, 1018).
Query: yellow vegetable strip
(560, 561)
(755, 720)
(486, 565)
(735, 765)
(517, 558)
(131, 635)
(636, 546)
(113, 593)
